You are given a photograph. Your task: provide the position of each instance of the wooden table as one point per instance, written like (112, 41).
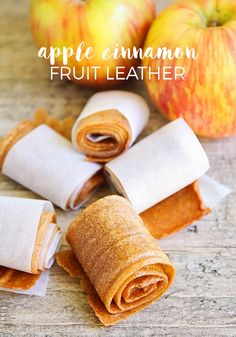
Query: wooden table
(202, 301)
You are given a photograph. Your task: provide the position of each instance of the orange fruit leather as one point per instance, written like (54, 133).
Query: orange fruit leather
(109, 123)
(117, 260)
(175, 212)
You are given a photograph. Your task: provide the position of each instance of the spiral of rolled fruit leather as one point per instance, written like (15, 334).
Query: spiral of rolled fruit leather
(103, 135)
(118, 261)
(109, 124)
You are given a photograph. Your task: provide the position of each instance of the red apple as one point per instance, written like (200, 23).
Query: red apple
(100, 24)
(206, 98)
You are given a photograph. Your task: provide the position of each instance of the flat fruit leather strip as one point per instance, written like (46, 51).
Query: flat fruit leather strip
(175, 212)
(18, 280)
(110, 123)
(120, 266)
(62, 126)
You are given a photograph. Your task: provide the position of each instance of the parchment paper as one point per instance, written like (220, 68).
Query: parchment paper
(212, 192)
(47, 164)
(49, 248)
(19, 221)
(159, 165)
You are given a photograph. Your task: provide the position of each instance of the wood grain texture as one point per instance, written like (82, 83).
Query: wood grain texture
(202, 301)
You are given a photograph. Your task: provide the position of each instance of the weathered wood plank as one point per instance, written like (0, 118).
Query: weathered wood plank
(65, 307)
(81, 331)
(202, 300)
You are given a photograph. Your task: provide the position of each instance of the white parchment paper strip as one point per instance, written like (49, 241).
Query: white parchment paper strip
(19, 221)
(158, 166)
(131, 105)
(46, 163)
(49, 247)
(212, 192)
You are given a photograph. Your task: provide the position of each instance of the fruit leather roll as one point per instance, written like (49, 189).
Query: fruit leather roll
(29, 237)
(46, 163)
(109, 123)
(117, 260)
(159, 176)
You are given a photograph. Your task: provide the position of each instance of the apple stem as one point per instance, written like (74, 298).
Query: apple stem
(213, 23)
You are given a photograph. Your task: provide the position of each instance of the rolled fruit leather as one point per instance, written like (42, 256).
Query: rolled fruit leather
(46, 163)
(109, 124)
(29, 238)
(120, 266)
(160, 176)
